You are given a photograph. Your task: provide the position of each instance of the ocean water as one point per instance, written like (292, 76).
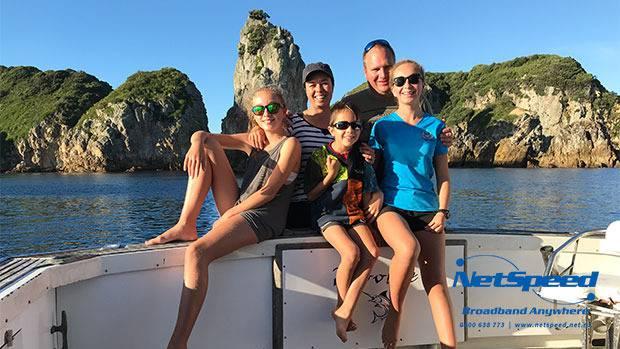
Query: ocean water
(50, 212)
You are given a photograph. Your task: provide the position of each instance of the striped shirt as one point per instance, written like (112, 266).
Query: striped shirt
(311, 138)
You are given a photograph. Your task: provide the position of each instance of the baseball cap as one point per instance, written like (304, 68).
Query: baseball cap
(317, 67)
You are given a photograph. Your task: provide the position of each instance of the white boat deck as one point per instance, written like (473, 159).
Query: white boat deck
(276, 294)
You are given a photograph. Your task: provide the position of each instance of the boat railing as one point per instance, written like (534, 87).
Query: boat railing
(603, 315)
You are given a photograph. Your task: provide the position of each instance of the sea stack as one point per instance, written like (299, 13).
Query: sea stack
(268, 55)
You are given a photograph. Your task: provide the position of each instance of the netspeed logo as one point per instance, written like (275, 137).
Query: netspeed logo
(520, 279)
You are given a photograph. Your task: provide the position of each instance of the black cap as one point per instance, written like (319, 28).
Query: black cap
(317, 67)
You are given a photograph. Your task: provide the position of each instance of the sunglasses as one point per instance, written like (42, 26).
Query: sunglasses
(272, 108)
(413, 79)
(380, 42)
(343, 125)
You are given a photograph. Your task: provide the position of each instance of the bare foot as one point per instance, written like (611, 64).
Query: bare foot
(342, 324)
(389, 335)
(389, 345)
(179, 232)
(352, 326)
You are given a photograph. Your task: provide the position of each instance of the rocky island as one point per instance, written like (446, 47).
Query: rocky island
(536, 111)
(71, 122)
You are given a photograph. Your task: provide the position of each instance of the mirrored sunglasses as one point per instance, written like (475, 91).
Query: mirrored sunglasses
(272, 108)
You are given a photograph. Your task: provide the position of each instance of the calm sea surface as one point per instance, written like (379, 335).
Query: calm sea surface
(50, 212)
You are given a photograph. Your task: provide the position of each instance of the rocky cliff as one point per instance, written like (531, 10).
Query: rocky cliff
(537, 111)
(267, 56)
(145, 123)
(34, 106)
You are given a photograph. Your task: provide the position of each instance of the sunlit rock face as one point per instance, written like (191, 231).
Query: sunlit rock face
(537, 111)
(144, 124)
(268, 55)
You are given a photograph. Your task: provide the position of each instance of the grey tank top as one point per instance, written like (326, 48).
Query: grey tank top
(268, 220)
(260, 166)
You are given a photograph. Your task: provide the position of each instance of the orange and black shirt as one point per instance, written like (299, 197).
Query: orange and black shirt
(342, 202)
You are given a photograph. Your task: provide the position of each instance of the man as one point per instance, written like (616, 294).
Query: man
(376, 100)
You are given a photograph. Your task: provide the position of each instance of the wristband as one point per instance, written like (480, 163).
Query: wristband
(445, 211)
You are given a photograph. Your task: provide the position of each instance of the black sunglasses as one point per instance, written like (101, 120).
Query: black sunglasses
(272, 108)
(343, 125)
(380, 42)
(413, 79)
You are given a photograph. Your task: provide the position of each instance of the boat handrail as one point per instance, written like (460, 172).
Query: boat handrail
(549, 267)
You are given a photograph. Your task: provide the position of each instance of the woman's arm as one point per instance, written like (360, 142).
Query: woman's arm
(368, 153)
(443, 180)
(257, 138)
(373, 202)
(238, 141)
(196, 157)
(443, 191)
(290, 155)
(446, 136)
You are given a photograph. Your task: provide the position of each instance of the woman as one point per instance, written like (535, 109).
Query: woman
(310, 127)
(413, 219)
(248, 215)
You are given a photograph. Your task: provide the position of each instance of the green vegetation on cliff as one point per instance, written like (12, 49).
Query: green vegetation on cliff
(166, 85)
(259, 15)
(29, 95)
(259, 33)
(454, 94)
(537, 72)
(610, 102)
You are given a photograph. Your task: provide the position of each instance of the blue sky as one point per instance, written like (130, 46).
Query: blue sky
(113, 39)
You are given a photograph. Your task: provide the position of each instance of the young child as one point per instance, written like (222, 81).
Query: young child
(345, 196)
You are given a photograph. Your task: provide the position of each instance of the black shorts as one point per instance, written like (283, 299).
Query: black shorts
(346, 226)
(416, 220)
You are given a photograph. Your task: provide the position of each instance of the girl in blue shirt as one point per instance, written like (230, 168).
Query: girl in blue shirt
(412, 222)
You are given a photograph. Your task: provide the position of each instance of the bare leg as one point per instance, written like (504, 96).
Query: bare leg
(352, 325)
(341, 293)
(220, 241)
(432, 267)
(369, 252)
(217, 176)
(349, 257)
(396, 233)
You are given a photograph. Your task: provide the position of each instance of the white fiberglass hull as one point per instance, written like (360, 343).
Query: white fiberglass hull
(277, 294)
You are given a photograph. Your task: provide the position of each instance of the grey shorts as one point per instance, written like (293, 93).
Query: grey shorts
(264, 224)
